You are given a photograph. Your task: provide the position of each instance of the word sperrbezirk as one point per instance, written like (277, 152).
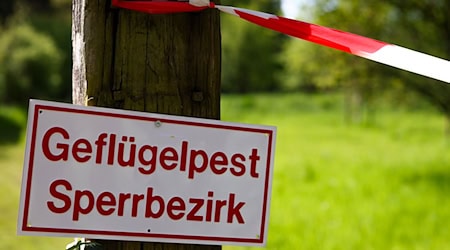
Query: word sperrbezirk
(111, 149)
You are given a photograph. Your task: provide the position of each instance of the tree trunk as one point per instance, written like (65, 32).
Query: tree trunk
(156, 63)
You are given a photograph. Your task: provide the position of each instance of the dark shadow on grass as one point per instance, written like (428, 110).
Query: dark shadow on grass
(438, 179)
(10, 131)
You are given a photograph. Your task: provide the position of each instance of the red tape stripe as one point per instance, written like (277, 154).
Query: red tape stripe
(157, 7)
(336, 39)
(371, 49)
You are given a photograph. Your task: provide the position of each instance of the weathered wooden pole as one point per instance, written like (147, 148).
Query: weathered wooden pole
(156, 63)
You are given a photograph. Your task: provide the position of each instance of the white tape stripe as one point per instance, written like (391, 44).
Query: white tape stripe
(391, 55)
(232, 10)
(227, 9)
(199, 3)
(258, 13)
(412, 61)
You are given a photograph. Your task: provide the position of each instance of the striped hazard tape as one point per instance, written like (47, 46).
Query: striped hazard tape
(389, 54)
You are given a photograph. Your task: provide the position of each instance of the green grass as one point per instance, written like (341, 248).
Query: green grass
(383, 185)
(12, 147)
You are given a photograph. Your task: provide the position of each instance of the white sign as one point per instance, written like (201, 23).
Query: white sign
(123, 175)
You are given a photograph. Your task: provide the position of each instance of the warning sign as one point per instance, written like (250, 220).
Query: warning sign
(124, 175)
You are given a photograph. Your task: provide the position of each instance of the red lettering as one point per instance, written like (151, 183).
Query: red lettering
(192, 215)
(106, 204)
(237, 161)
(176, 204)
(151, 162)
(78, 208)
(64, 198)
(135, 206)
(254, 157)
(218, 159)
(131, 153)
(81, 146)
(56, 147)
(209, 207)
(193, 168)
(149, 205)
(234, 211)
(106, 199)
(63, 154)
(219, 205)
(99, 143)
(168, 154)
(122, 198)
(111, 148)
(184, 149)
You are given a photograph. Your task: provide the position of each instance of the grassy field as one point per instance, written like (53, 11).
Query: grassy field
(12, 124)
(379, 185)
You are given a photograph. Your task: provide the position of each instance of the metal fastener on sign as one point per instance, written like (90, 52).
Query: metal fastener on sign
(158, 123)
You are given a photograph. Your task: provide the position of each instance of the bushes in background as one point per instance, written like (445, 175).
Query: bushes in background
(30, 65)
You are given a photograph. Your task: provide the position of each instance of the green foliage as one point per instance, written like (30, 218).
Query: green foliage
(250, 53)
(424, 26)
(12, 122)
(335, 186)
(11, 160)
(30, 65)
(44, 28)
(58, 27)
(420, 25)
(6, 9)
(311, 64)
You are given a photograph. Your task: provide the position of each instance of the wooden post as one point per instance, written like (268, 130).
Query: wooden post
(156, 63)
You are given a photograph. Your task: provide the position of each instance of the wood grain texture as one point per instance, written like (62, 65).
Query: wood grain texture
(155, 63)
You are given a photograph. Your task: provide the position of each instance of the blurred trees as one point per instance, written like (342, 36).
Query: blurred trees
(6, 10)
(35, 50)
(422, 25)
(425, 26)
(250, 53)
(30, 65)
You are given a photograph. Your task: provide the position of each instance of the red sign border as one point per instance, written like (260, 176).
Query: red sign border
(38, 108)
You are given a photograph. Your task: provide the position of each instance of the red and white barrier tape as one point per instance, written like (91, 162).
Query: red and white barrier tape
(371, 49)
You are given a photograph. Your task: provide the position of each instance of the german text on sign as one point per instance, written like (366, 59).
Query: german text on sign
(115, 174)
